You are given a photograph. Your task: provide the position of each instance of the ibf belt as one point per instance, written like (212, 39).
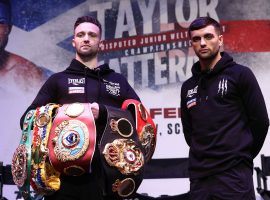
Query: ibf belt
(72, 139)
(121, 154)
(145, 126)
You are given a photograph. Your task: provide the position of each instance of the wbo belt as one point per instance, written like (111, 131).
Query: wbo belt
(122, 155)
(72, 139)
(145, 126)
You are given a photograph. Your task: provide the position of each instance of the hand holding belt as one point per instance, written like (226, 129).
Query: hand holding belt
(122, 157)
(72, 139)
(145, 126)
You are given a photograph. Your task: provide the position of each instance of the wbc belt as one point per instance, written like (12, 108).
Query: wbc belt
(72, 139)
(21, 162)
(121, 154)
(145, 126)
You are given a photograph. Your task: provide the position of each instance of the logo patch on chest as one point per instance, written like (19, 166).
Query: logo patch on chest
(76, 90)
(76, 81)
(112, 88)
(191, 103)
(193, 91)
(222, 87)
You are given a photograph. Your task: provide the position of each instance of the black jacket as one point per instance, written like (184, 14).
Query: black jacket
(224, 117)
(80, 84)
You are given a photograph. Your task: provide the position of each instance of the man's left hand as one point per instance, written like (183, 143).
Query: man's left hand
(95, 109)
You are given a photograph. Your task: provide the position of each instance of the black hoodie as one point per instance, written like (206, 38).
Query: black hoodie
(78, 83)
(224, 117)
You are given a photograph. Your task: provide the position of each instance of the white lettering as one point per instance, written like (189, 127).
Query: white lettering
(208, 9)
(177, 59)
(115, 64)
(101, 13)
(144, 64)
(160, 67)
(193, 12)
(76, 81)
(125, 13)
(193, 91)
(147, 14)
(164, 22)
(129, 61)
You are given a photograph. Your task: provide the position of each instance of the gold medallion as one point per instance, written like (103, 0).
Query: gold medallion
(124, 188)
(125, 155)
(42, 119)
(74, 109)
(72, 141)
(19, 165)
(122, 126)
(148, 140)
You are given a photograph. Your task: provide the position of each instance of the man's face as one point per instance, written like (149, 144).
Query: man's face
(206, 42)
(86, 39)
(4, 31)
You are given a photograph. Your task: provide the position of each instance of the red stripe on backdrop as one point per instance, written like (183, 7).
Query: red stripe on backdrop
(239, 36)
(247, 36)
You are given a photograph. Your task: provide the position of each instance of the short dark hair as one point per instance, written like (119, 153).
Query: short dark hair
(202, 22)
(88, 19)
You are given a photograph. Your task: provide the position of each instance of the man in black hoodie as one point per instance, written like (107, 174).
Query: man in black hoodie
(224, 119)
(85, 82)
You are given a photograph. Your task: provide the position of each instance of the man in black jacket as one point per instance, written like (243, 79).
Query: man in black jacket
(85, 82)
(224, 119)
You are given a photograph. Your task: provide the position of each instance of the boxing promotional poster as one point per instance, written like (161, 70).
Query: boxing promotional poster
(145, 40)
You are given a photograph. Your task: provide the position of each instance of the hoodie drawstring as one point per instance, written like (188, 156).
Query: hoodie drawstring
(202, 86)
(85, 85)
(99, 84)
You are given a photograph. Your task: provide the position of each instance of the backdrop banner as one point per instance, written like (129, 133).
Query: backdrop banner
(146, 41)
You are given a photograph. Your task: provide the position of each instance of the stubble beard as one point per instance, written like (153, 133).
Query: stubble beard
(87, 55)
(209, 57)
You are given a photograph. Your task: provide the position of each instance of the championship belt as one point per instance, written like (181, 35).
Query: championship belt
(30, 164)
(146, 128)
(21, 162)
(72, 139)
(121, 154)
(44, 178)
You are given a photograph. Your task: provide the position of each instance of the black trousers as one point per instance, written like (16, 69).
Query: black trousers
(84, 187)
(233, 184)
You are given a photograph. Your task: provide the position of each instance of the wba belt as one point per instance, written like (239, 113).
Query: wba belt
(72, 139)
(146, 128)
(121, 154)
